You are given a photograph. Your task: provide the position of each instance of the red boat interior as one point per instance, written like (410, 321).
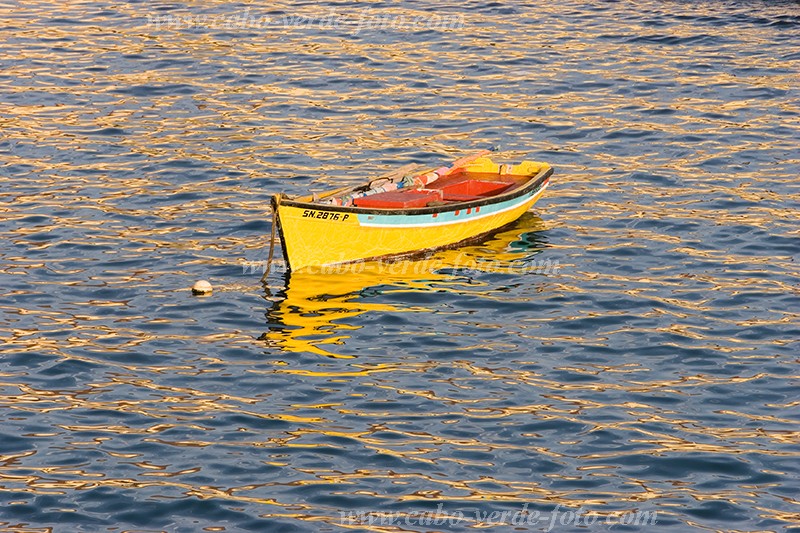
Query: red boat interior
(451, 189)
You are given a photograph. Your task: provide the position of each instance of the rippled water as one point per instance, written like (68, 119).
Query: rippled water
(654, 370)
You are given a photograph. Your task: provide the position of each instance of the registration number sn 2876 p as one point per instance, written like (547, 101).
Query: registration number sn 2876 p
(325, 215)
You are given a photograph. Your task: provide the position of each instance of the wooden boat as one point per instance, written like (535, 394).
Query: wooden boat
(407, 212)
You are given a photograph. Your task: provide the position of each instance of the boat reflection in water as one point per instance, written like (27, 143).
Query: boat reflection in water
(312, 313)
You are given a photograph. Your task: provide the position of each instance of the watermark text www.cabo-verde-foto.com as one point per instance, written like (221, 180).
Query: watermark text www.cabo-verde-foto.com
(559, 516)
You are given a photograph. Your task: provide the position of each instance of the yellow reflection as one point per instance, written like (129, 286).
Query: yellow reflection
(312, 312)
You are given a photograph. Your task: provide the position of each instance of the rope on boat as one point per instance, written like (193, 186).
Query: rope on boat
(276, 201)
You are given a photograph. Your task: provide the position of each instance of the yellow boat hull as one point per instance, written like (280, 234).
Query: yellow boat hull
(317, 237)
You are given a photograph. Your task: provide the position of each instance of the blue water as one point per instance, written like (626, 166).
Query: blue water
(628, 346)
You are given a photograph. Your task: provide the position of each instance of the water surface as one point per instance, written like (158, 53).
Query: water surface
(654, 370)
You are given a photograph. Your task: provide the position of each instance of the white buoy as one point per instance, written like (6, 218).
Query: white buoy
(202, 287)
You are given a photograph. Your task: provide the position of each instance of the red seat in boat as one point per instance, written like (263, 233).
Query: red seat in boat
(467, 190)
(399, 199)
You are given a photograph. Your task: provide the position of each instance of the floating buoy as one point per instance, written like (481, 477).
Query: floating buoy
(202, 287)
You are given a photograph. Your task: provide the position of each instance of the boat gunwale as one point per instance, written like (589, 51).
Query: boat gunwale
(533, 183)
